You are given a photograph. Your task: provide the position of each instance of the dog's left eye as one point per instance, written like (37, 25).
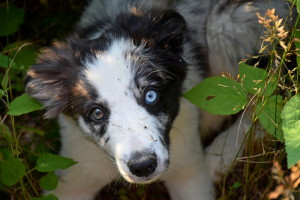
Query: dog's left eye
(97, 114)
(151, 97)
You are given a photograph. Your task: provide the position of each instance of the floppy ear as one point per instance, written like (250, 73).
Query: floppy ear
(51, 78)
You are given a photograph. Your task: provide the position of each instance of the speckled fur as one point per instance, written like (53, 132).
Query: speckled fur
(219, 34)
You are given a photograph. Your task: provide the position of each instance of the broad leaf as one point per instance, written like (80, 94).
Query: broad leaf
(48, 162)
(10, 18)
(256, 80)
(23, 104)
(218, 95)
(291, 129)
(11, 171)
(269, 114)
(7, 62)
(49, 181)
(24, 53)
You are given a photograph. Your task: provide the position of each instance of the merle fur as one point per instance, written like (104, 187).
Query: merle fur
(53, 78)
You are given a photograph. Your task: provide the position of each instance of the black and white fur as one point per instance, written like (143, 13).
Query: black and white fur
(116, 84)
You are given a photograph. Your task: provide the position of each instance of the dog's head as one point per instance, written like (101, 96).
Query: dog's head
(123, 87)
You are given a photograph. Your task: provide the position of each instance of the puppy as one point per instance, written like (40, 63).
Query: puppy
(116, 84)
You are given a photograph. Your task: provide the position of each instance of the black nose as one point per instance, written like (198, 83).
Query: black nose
(142, 165)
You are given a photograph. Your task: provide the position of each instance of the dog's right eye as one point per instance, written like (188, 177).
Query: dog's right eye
(97, 114)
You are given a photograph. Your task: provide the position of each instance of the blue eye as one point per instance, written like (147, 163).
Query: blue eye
(151, 97)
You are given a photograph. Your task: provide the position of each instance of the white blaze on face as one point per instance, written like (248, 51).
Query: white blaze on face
(130, 128)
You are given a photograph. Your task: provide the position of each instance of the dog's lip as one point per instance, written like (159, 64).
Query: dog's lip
(141, 180)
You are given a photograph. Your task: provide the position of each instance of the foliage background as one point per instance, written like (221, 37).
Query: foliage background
(28, 142)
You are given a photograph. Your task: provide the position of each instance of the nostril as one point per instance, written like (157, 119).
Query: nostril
(142, 165)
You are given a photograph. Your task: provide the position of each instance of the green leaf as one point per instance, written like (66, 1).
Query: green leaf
(5, 79)
(2, 93)
(7, 62)
(48, 197)
(23, 104)
(298, 6)
(11, 171)
(269, 115)
(48, 162)
(5, 132)
(10, 19)
(235, 186)
(291, 129)
(256, 80)
(218, 95)
(49, 181)
(297, 35)
(6, 153)
(23, 52)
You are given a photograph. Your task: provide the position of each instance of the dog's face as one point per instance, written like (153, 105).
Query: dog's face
(123, 88)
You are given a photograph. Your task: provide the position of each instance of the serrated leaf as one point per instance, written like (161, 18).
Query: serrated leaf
(23, 104)
(49, 181)
(7, 62)
(269, 115)
(218, 95)
(256, 80)
(11, 17)
(48, 197)
(48, 162)
(291, 129)
(11, 171)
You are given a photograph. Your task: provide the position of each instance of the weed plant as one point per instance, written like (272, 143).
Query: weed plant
(269, 168)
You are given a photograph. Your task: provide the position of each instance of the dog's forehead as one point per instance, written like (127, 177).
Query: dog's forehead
(113, 72)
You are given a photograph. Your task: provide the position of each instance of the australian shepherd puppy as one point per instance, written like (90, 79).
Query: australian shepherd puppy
(116, 84)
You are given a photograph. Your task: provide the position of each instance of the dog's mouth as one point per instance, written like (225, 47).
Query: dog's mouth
(141, 168)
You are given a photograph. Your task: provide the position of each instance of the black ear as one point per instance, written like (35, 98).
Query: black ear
(165, 29)
(51, 78)
(169, 30)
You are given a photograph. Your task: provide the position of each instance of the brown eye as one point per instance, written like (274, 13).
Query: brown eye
(97, 114)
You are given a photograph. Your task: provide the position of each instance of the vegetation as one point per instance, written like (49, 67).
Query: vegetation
(27, 151)
(28, 143)
(272, 95)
